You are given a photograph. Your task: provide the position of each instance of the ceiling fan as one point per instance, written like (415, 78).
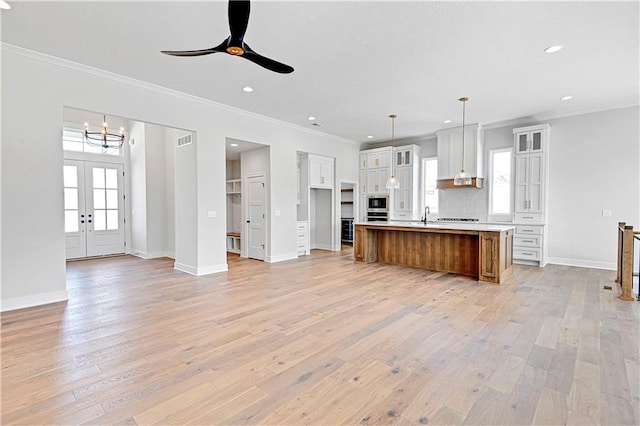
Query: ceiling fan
(234, 44)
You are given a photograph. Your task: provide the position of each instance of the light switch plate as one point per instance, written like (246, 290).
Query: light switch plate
(211, 213)
(606, 212)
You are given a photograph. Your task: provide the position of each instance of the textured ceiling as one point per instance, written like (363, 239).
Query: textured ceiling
(357, 62)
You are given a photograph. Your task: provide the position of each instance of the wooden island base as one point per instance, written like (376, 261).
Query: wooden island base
(483, 254)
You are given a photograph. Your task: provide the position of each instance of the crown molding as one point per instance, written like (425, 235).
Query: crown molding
(64, 63)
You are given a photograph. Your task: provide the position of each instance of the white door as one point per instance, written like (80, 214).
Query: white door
(256, 201)
(94, 209)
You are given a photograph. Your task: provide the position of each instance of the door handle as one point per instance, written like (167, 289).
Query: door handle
(248, 221)
(89, 220)
(82, 221)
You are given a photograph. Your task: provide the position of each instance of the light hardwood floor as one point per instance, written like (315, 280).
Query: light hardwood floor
(321, 340)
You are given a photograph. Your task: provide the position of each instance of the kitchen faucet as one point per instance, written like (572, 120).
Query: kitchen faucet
(427, 211)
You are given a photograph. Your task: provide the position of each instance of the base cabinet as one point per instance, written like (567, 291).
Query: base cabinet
(302, 238)
(529, 244)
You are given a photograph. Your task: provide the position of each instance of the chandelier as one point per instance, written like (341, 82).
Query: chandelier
(103, 138)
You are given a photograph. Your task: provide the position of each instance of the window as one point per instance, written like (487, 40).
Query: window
(500, 182)
(429, 178)
(73, 140)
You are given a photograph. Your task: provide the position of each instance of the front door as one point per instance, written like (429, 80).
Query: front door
(94, 208)
(255, 217)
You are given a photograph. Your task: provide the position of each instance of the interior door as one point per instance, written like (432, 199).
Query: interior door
(94, 208)
(256, 230)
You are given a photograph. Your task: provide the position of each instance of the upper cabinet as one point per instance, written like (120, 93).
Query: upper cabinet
(530, 139)
(406, 167)
(449, 147)
(320, 171)
(375, 166)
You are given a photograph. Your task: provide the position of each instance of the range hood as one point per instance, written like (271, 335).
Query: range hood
(450, 156)
(476, 182)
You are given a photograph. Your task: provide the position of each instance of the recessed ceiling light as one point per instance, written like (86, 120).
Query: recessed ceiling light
(370, 137)
(233, 144)
(566, 98)
(4, 5)
(447, 121)
(247, 89)
(554, 49)
(311, 118)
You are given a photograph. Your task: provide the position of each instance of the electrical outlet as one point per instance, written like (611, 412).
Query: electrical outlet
(606, 212)
(277, 213)
(211, 213)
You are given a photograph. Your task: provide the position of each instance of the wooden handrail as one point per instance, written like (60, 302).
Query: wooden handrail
(624, 273)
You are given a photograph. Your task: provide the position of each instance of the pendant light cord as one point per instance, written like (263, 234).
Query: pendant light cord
(464, 102)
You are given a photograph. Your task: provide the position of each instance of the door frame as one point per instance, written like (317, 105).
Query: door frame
(244, 236)
(126, 188)
(337, 225)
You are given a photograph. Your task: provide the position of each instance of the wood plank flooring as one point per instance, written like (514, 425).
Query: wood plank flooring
(321, 340)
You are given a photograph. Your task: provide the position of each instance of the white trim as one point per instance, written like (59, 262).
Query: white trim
(42, 57)
(213, 269)
(152, 255)
(185, 268)
(582, 263)
(281, 257)
(33, 300)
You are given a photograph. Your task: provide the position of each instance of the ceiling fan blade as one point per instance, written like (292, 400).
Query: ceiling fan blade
(218, 49)
(238, 19)
(265, 62)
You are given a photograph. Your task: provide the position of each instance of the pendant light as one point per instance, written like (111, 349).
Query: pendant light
(462, 177)
(392, 182)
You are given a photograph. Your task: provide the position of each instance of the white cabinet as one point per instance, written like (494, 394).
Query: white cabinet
(320, 171)
(529, 244)
(378, 159)
(531, 146)
(449, 146)
(530, 139)
(407, 170)
(531, 173)
(374, 170)
(377, 180)
(302, 238)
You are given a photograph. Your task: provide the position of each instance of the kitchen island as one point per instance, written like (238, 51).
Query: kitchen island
(483, 251)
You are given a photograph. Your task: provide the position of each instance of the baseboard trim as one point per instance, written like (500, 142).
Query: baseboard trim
(153, 254)
(582, 263)
(281, 257)
(213, 269)
(34, 300)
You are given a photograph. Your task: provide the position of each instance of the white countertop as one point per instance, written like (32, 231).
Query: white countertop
(485, 227)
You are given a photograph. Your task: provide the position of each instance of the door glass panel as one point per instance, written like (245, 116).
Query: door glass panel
(407, 158)
(99, 220)
(522, 143)
(70, 176)
(98, 177)
(398, 158)
(537, 141)
(99, 199)
(112, 179)
(71, 221)
(71, 198)
(112, 198)
(112, 219)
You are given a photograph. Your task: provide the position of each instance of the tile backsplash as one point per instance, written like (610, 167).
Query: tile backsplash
(463, 203)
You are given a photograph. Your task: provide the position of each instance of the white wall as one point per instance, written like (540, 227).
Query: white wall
(138, 183)
(594, 164)
(35, 153)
